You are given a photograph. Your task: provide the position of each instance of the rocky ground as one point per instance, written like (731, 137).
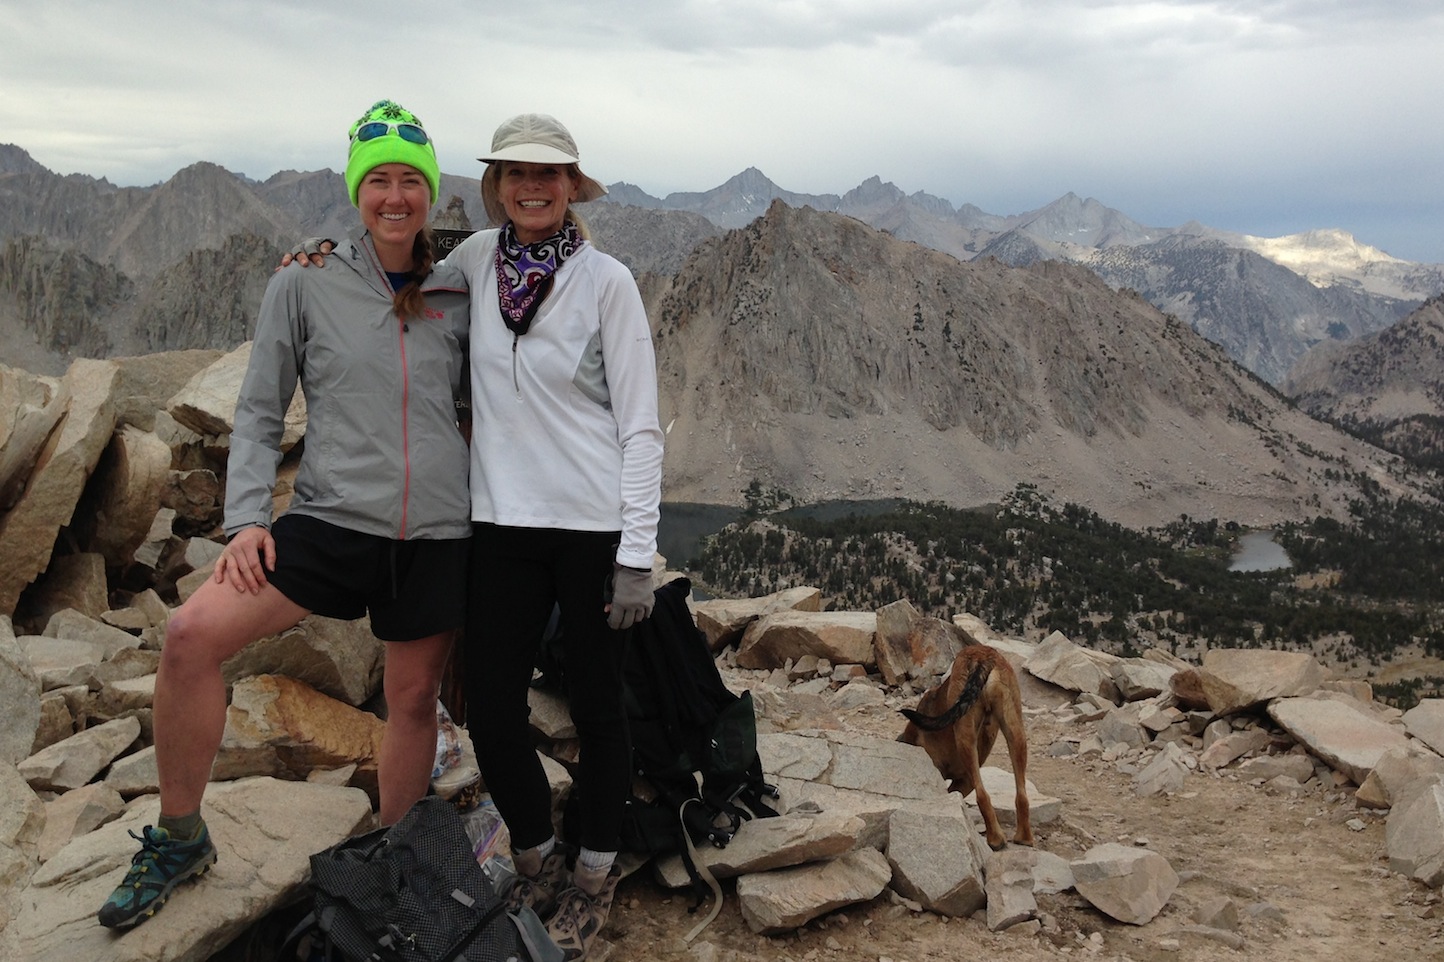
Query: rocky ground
(1306, 876)
(1264, 874)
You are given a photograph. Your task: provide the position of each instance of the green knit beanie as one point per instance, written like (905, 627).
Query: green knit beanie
(390, 134)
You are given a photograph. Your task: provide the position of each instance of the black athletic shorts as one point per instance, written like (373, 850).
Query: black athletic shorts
(413, 589)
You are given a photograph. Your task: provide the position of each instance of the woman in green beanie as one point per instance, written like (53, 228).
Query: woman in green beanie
(379, 519)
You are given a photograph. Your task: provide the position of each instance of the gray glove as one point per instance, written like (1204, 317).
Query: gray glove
(309, 252)
(314, 245)
(632, 597)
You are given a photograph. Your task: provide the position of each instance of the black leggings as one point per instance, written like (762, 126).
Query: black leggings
(517, 575)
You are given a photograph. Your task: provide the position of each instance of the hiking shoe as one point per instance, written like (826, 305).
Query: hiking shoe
(580, 916)
(539, 892)
(161, 864)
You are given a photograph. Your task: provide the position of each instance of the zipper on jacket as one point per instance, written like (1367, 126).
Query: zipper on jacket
(405, 426)
(515, 380)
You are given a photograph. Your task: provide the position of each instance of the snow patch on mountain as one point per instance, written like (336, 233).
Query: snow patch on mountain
(1320, 255)
(1332, 257)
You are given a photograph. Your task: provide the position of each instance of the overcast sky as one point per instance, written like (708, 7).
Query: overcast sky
(1267, 117)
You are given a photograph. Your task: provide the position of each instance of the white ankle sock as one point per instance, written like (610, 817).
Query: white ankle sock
(592, 868)
(528, 861)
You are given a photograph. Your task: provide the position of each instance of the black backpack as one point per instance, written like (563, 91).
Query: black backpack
(685, 723)
(409, 893)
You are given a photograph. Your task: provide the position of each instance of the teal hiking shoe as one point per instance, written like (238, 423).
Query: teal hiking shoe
(161, 864)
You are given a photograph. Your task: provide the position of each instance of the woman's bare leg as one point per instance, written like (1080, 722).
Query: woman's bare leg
(408, 748)
(190, 695)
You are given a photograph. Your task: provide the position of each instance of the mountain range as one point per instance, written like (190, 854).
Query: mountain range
(831, 361)
(1266, 300)
(863, 345)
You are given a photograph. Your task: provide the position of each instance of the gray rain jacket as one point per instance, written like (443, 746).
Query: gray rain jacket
(382, 453)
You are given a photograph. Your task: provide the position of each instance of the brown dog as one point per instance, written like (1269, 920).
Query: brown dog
(958, 720)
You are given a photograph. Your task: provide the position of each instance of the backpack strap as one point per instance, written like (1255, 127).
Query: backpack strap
(698, 871)
(291, 947)
(751, 800)
(755, 788)
(484, 920)
(714, 821)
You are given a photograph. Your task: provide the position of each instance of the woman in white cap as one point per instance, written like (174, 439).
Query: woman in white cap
(378, 519)
(566, 475)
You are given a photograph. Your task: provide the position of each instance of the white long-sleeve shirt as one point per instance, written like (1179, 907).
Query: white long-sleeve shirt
(565, 430)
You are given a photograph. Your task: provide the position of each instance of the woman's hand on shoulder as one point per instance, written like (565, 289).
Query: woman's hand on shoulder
(310, 252)
(246, 559)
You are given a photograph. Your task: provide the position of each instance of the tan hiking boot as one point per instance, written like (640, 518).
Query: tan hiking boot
(580, 916)
(539, 892)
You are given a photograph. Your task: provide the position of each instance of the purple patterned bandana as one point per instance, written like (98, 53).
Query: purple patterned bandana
(524, 272)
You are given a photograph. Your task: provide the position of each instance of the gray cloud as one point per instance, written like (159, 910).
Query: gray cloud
(1266, 116)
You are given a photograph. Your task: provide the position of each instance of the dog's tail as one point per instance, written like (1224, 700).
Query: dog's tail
(974, 687)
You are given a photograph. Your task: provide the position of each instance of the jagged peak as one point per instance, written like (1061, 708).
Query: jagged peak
(1068, 203)
(17, 160)
(933, 202)
(203, 167)
(1084, 223)
(298, 176)
(201, 172)
(630, 194)
(873, 189)
(780, 217)
(778, 209)
(289, 175)
(751, 180)
(1071, 203)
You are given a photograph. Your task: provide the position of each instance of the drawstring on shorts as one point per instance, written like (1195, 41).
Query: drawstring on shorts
(395, 591)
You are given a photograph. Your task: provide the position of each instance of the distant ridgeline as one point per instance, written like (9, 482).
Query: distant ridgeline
(1267, 301)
